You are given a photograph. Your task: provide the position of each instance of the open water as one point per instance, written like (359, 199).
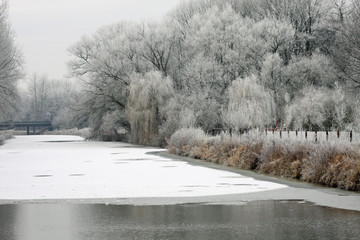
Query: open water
(255, 220)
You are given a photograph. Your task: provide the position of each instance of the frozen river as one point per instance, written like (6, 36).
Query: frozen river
(62, 187)
(66, 167)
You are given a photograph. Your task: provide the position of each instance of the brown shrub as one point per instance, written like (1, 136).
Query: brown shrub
(284, 158)
(250, 157)
(235, 158)
(316, 166)
(343, 171)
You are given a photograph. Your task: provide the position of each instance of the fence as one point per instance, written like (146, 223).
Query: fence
(316, 136)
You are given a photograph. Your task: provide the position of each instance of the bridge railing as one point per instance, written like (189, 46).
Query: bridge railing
(25, 125)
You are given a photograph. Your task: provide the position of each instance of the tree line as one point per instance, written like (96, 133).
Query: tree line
(212, 63)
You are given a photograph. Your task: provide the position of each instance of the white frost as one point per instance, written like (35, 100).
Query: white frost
(66, 167)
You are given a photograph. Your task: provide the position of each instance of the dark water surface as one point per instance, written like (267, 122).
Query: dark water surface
(256, 220)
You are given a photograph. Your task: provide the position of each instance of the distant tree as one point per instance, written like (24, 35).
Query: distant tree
(10, 64)
(63, 95)
(44, 99)
(249, 104)
(38, 93)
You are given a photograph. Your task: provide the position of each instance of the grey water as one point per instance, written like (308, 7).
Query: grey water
(255, 220)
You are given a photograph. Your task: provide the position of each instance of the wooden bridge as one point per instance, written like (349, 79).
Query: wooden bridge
(28, 124)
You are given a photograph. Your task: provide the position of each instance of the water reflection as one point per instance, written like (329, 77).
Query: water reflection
(256, 220)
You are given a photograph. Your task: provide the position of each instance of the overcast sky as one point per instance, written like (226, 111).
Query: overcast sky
(45, 29)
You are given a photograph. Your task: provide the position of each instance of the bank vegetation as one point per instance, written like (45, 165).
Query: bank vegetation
(332, 164)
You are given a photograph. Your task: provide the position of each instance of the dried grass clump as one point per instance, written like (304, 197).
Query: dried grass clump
(334, 166)
(284, 158)
(247, 154)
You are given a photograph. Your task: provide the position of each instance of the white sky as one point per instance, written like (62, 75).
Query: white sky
(45, 29)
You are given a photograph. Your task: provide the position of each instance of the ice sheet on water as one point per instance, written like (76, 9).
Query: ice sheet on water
(78, 169)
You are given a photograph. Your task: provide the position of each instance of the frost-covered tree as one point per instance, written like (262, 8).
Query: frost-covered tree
(202, 76)
(274, 77)
(317, 70)
(148, 95)
(307, 18)
(157, 44)
(306, 111)
(199, 100)
(322, 109)
(249, 104)
(277, 35)
(225, 37)
(104, 63)
(10, 65)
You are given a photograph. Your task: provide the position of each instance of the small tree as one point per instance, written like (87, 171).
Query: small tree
(321, 108)
(306, 111)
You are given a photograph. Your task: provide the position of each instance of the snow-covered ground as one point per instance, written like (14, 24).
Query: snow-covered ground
(66, 167)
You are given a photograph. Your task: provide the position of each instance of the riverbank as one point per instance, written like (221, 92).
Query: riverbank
(326, 163)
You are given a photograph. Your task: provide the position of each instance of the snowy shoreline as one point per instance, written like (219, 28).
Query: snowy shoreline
(325, 163)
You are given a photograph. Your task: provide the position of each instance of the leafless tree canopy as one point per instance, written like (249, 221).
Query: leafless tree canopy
(10, 64)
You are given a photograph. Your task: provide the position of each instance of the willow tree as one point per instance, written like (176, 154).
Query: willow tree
(148, 95)
(249, 104)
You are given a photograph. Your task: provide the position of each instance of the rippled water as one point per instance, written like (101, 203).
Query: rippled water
(256, 220)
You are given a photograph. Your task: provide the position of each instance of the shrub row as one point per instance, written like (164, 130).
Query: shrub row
(334, 165)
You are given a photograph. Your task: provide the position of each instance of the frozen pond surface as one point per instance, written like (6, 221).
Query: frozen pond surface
(66, 167)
